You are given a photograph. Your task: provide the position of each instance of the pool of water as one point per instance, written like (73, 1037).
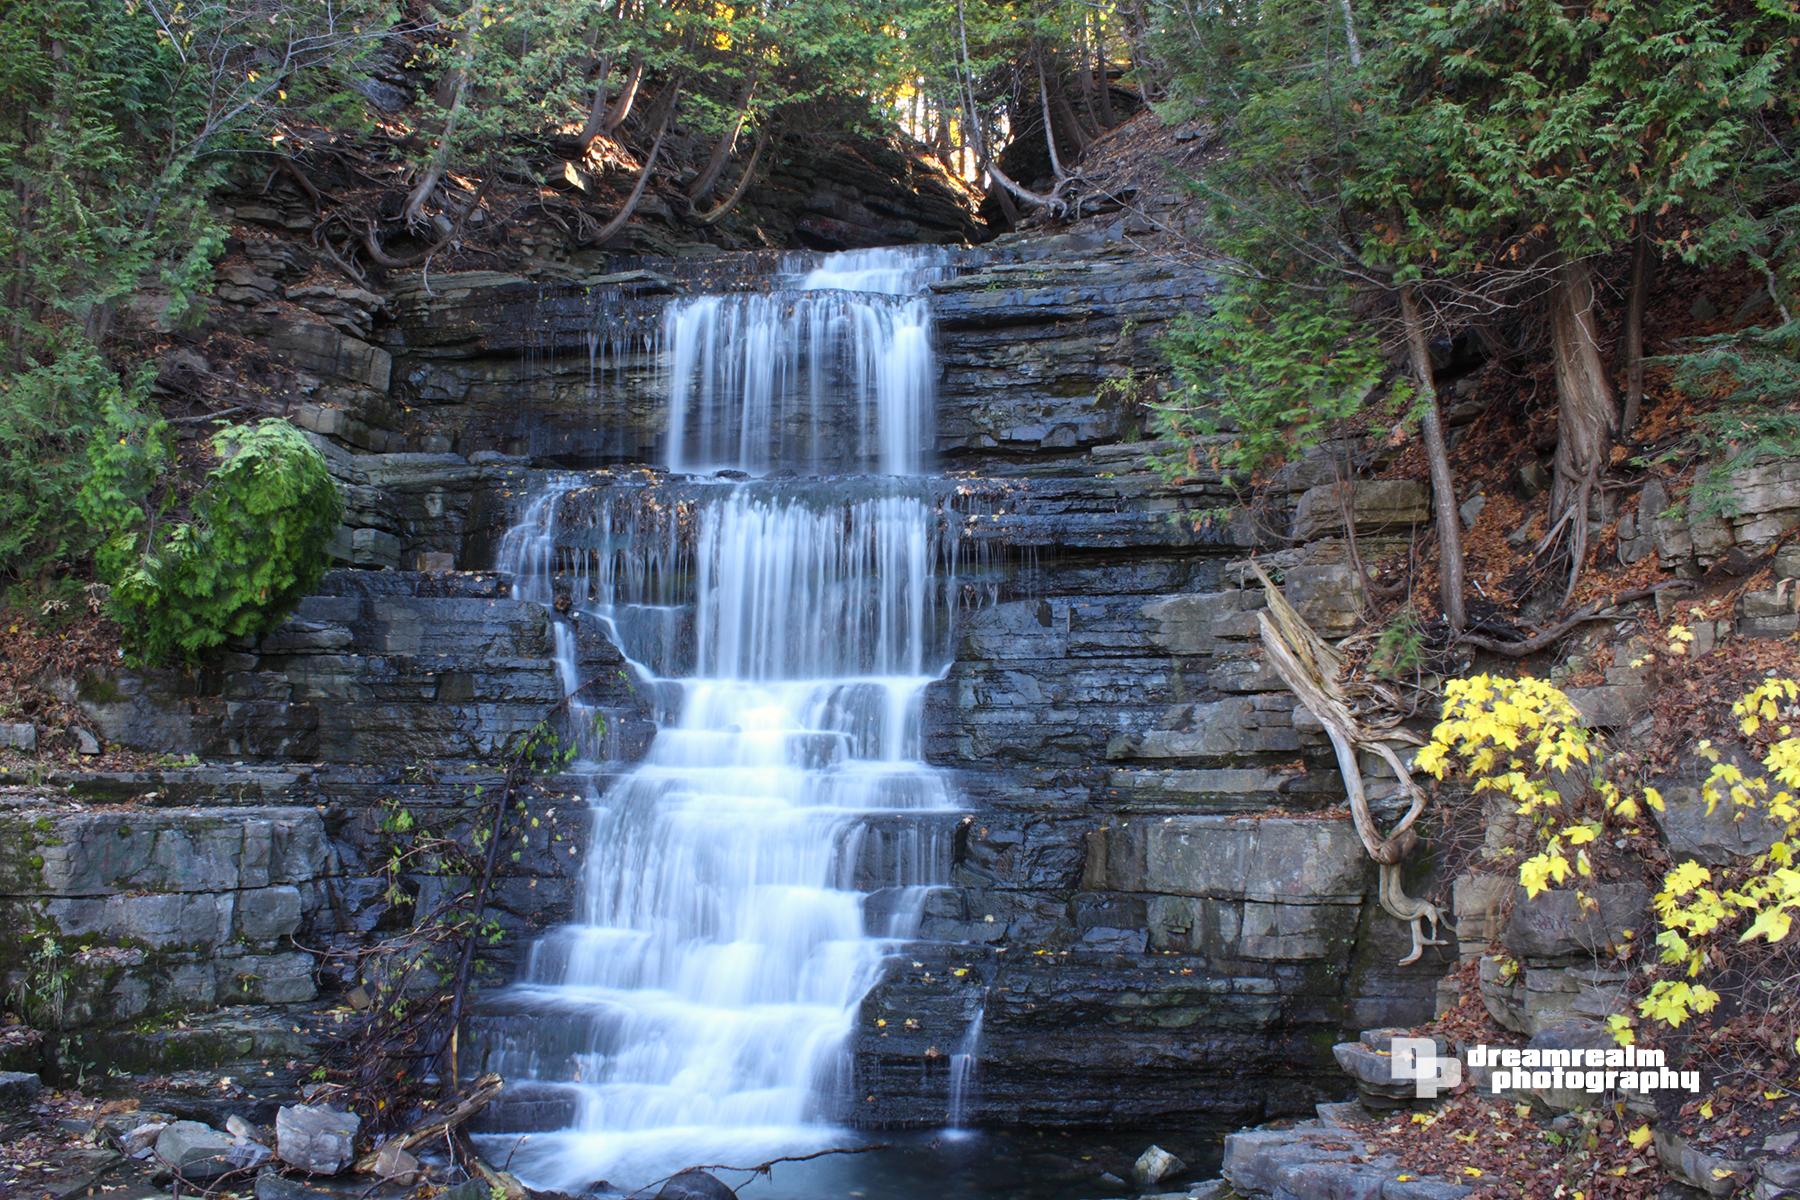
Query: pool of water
(952, 1165)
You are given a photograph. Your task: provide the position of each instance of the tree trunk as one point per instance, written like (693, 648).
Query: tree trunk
(596, 121)
(743, 184)
(1437, 457)
(1102, 74)
(1643, 265)
(634, 79)
(1056, 163)
(1350, 39)
(666, 120)
(1587, 413)
(1078, 129)
(413, 213)
(973, 133)
(721, 154)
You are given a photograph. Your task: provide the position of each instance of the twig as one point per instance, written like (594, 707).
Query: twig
(765, 1168)
(1597, 611)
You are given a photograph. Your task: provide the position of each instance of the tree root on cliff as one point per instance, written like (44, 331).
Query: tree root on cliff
(1313, 671)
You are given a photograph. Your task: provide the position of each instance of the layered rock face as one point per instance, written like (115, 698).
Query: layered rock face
(1157, 909)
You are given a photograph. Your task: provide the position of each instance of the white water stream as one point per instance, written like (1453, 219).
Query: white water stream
(698, 1007)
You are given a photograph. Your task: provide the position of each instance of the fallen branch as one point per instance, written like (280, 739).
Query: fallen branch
(761, 1169)
(1597, 611)
(1313, 671)
(482, 1092)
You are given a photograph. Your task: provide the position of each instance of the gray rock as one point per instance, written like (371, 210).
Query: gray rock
(18, 1090)
(1717, 838)
(272, 1185)
(1470, 510)
(1155, 1165)
(318, 1140)
(1555, 923)
(1711, 1173)
(1777, 1178)
(1423, 1189)
(695, 1185)
(395, 1165)
(194, 1151)
(1534, 480)
(18, 735)
(1377, 505)
(1212, 1189)
(86, 742)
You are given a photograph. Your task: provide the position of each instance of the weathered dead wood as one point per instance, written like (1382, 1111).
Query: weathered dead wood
(1313, 671)
(481, 1092)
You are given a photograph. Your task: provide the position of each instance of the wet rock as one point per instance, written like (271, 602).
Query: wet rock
(318, 1140)
(18, 1090)
(396, 1166)
(194, 1151)
(1155, 1165)
(695, 1185)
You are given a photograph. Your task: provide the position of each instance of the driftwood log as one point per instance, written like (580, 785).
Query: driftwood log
(1313, 671)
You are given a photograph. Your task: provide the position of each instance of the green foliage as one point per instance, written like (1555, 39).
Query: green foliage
(117, 122)
(253, 546)
(1273, 371)
(47, 416)
(1755, 373)
(42, 991)
(1464, 147)
(1400, 647)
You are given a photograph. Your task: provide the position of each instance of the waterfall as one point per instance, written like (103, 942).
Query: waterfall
(834, 373)
(746, 879)
(963, 1064)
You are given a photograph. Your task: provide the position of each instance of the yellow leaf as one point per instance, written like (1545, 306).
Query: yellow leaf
(1639, 1137)
(1706, 1110)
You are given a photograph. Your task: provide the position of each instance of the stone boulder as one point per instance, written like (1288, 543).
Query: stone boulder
(1717, 838)
(695, 1185)
(18, 1090)
(1377, 505)
(194, 1151)
(1155, 1165)
(1555, 923)
(316, 1139)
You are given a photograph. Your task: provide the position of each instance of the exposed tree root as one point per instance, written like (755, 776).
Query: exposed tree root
(1313, 671)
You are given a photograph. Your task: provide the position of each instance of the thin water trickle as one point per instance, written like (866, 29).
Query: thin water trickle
(698, 1006)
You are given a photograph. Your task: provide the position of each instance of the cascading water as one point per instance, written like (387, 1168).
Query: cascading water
(698, 1007)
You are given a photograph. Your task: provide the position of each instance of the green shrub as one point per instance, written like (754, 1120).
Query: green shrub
(47, 420)
(255, 544)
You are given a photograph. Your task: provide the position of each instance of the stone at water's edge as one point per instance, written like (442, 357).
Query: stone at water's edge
(695, 1185)
(195, 1151)
(318, 1140)
(1155, 1165)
